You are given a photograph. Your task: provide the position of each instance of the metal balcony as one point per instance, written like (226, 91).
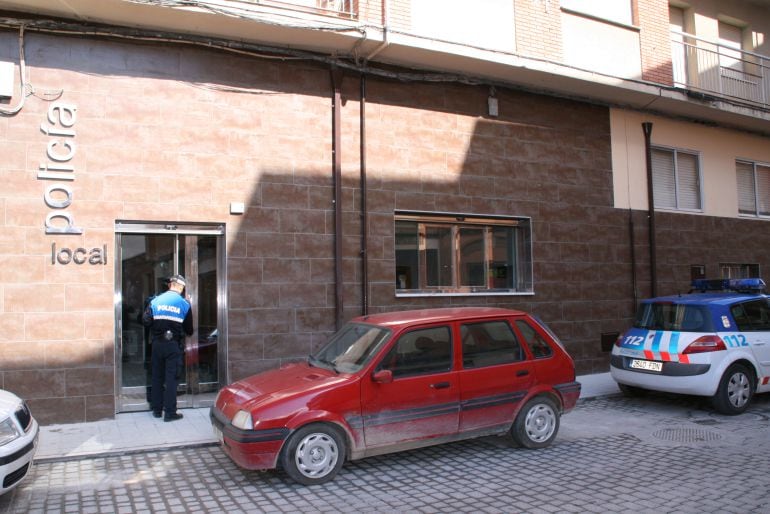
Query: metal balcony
(720, 70)
(339, 8)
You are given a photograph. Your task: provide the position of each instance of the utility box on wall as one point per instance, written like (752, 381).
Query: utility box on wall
(6, 79)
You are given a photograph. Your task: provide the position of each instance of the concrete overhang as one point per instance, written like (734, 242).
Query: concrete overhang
(331, 36)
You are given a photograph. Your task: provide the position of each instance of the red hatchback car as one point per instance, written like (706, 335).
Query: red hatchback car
(397, 381)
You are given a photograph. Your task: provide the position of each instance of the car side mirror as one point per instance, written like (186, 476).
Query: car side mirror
(383, 376)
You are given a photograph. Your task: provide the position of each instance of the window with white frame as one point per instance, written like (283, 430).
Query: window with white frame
(730, 46)
(753, 188)
(738, 270)
(676, 182)
(462, 254)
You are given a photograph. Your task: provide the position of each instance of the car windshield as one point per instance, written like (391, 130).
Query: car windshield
(673, 316)
(350, 348)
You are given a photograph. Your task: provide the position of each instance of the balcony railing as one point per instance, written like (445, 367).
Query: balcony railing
(339, 8)
(717, 69)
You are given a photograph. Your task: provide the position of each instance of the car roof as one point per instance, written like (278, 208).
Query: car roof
(715, 298)
(410, 317)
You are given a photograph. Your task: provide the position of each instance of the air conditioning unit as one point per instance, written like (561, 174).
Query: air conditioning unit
(6, 79)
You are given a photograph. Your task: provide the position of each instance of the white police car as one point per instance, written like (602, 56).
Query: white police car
(18, 440)
(713, 341)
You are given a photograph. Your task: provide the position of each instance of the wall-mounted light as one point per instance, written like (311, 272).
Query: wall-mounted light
(237, 208)
(492, 102)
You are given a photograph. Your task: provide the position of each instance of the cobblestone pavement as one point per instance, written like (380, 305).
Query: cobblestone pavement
(655, 454)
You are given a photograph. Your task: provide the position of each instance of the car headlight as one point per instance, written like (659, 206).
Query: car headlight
(242, 420)
(8, 431)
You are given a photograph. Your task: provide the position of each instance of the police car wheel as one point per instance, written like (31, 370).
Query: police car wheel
(735, 390)
(631, 391)
(537, 423)
(314, 454)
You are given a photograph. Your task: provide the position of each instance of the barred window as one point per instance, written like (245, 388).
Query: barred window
(753, 188)
(461, 254)
(738, 270)
(676, 180)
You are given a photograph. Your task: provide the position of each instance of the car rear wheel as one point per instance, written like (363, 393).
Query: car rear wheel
(314, 454)
(735, 390)
(537, 424)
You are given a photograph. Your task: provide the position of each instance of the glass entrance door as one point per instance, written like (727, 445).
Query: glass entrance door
(148, 254)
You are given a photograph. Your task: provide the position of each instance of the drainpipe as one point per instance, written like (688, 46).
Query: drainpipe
(647, 128)
(385, 41)
(364, 212)
(336, 76)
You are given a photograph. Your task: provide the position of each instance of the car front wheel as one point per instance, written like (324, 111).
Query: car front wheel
(314, 454)
(537, 423)
(735, 390)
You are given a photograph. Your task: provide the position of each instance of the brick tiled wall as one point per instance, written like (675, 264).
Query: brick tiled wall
(369, 11)
(400, 14)
(655, 40)
(167, 134)
(538, 29)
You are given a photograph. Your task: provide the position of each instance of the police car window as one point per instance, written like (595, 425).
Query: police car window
(536, 344)
(420, 352)
(488, 344)
(675, 317)
(741, 318)
(754, 315)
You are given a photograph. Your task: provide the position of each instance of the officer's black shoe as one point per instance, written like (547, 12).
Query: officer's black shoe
(156, 414)
(173, 417)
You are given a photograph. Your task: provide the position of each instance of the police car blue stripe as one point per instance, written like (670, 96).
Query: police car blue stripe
(673, 344)
(656, 342)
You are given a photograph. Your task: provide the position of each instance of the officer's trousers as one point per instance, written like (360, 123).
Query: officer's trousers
(166, 356)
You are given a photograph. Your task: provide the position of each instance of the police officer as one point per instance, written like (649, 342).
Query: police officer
(170, 318)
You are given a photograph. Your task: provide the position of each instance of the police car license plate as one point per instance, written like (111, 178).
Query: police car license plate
(657, 367)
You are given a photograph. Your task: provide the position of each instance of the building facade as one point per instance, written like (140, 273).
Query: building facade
(305, 162)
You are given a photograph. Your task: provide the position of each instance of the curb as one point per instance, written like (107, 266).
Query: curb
(119, 453)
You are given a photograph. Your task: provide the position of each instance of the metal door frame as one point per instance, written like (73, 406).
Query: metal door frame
(177, 229)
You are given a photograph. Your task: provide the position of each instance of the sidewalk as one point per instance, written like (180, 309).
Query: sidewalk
(139, 431)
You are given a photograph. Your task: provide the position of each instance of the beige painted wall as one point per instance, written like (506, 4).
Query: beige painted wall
(754, 19)
(718, 149)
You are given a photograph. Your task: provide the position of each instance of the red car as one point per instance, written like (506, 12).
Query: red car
(397, 381)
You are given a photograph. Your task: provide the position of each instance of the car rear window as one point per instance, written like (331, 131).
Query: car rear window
(674, 316)
(754, 315)
(537, 344)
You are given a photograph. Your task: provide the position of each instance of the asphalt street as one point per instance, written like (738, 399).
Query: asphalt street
(660, 453)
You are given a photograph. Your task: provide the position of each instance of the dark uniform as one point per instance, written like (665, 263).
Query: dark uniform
(169, 317)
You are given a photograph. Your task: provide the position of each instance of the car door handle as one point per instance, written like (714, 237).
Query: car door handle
(522, 373)
(440, 385)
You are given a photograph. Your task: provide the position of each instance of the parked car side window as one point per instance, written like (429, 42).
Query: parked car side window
(489, 343)
(753, 315)
(539, 347)
(420, 352)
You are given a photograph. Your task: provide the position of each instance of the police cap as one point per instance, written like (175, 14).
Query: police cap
(179, 279)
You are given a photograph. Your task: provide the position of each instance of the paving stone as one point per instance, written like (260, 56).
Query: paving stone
(606, 459)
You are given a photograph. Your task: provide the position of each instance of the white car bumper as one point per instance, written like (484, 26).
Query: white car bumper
(700, 385)
(16, 458)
